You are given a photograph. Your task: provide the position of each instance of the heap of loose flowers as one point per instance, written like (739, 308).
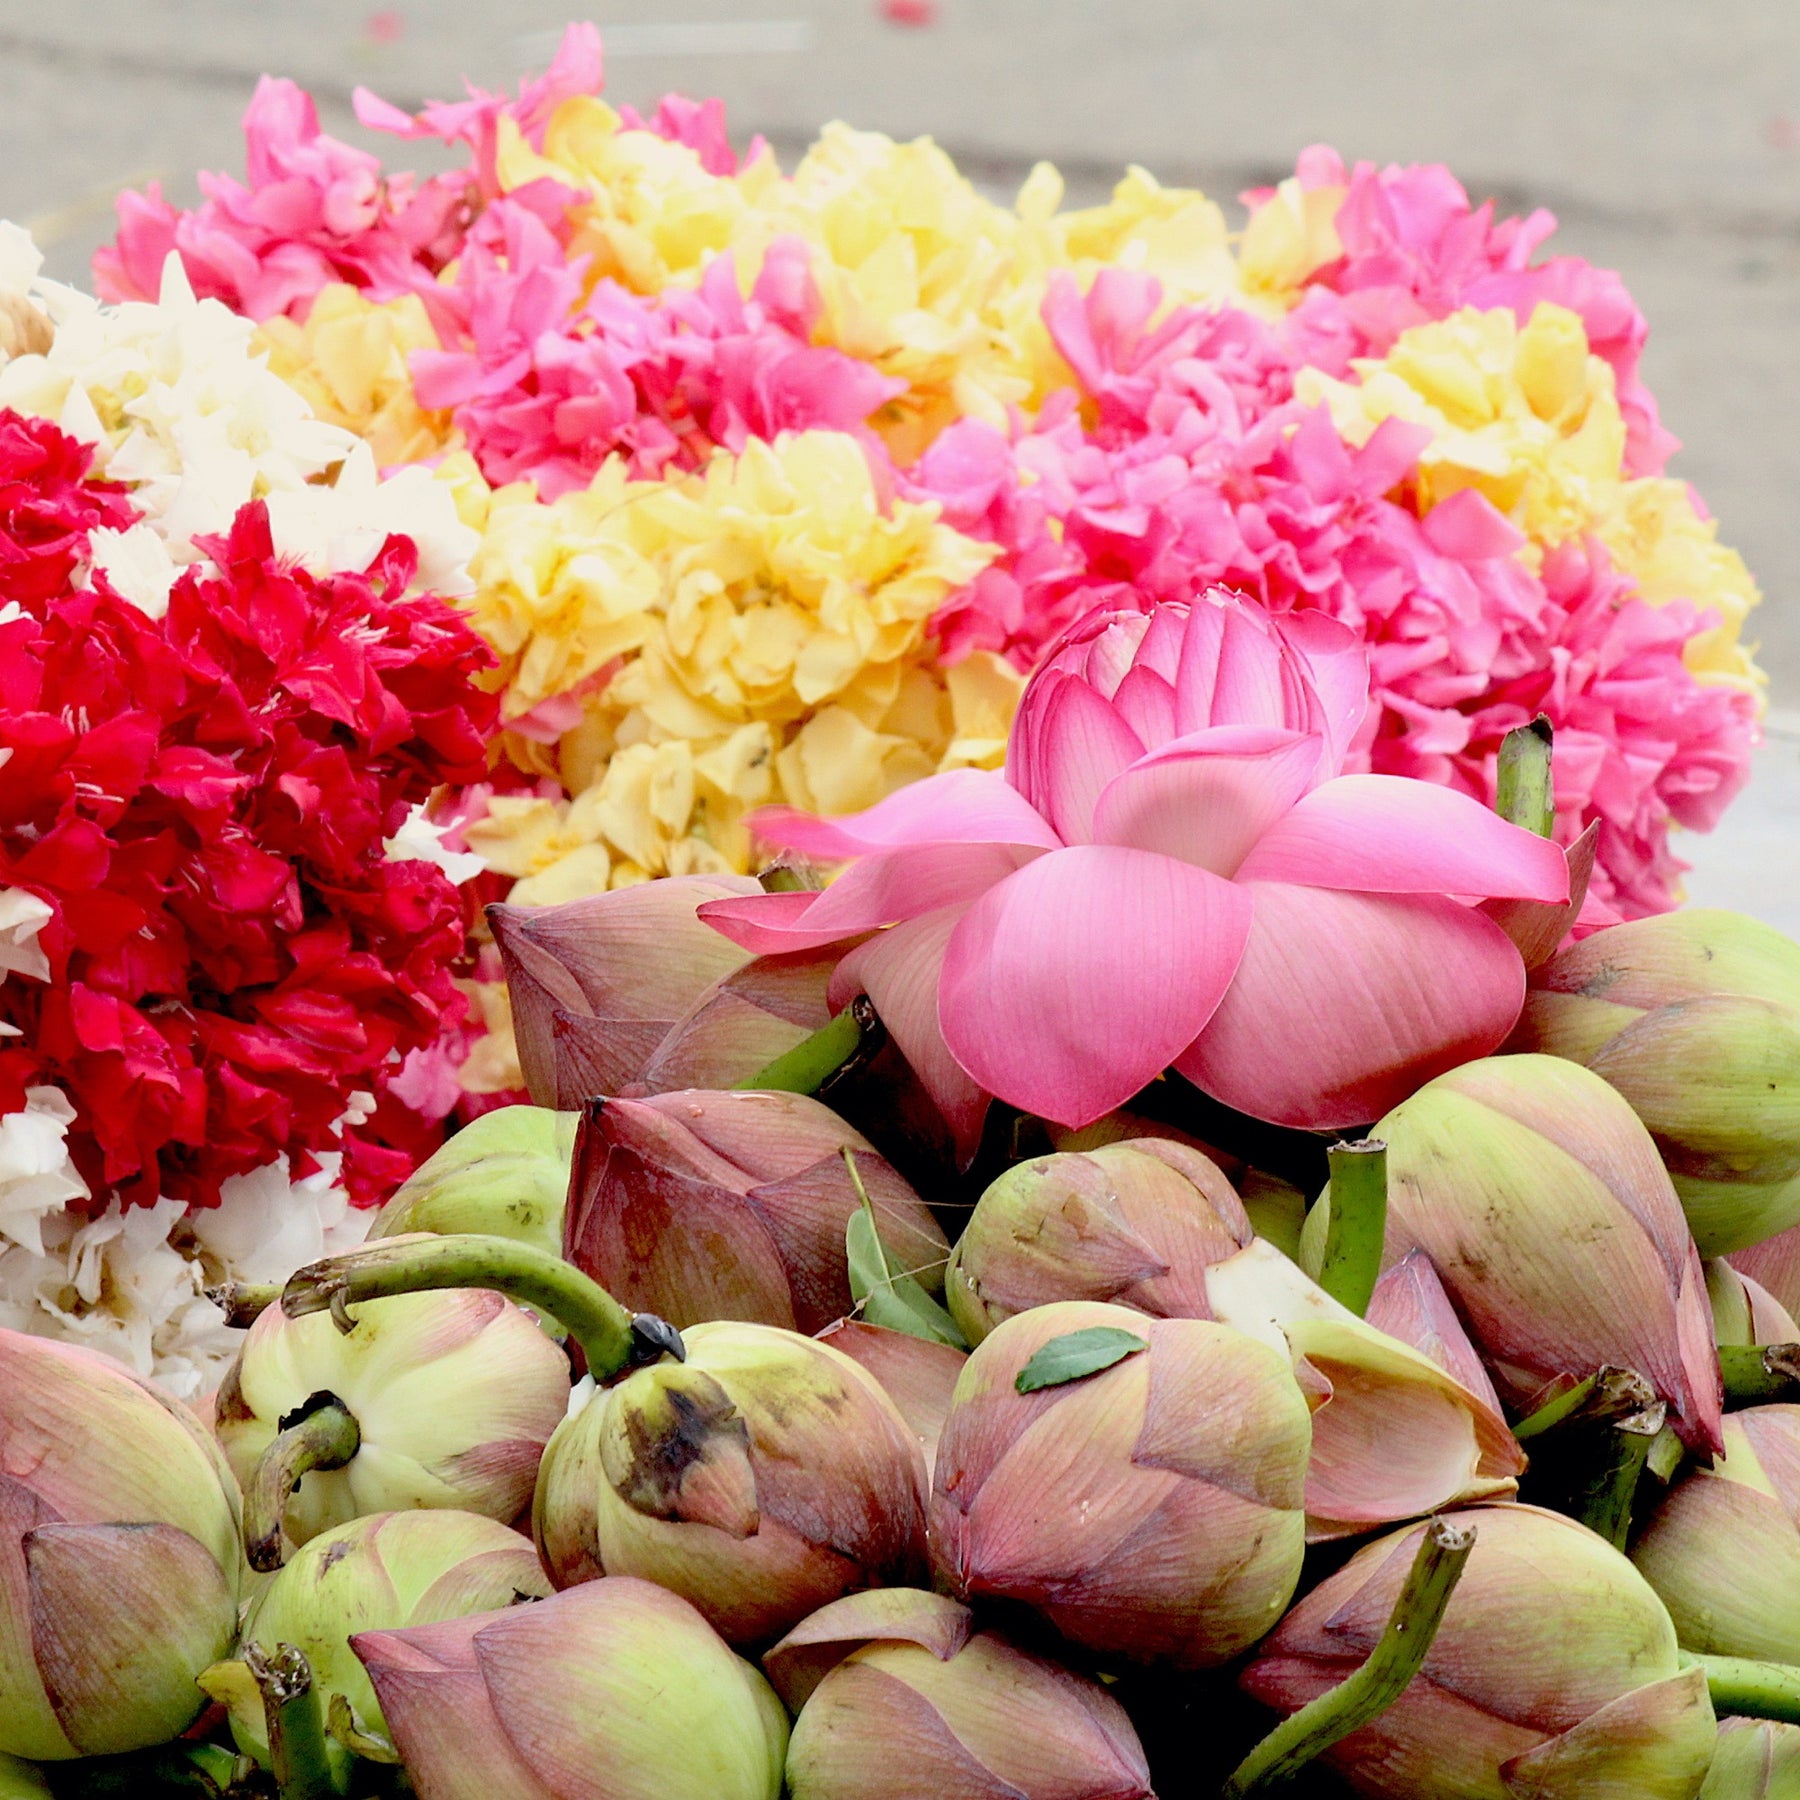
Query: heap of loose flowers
(770, 488)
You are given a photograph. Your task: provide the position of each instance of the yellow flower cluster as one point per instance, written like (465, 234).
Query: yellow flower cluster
(676, 653)
(1528, 415)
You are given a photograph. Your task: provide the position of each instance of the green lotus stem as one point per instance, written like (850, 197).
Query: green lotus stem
(244, 1302)
(1356, 1228)
(1364, 1696)
(1604, 1502)
(785, 878)
(323, 1435)
(813, 1061)
(295, 1720)
(1757, 1373)
(1525, 791)
(1758, 1690)
(533, 1277)
(1609, 1393)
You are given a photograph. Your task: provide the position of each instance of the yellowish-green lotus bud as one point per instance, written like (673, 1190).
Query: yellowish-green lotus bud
(20, 1780)
(374, 1574)
(762, 1478)
(1694, 1016)
(119, 1558)
(1554, 1674)
(505, 1174)
(1723, 1547)
(1744, 1311)
(615, 1688)
(1755, 1759)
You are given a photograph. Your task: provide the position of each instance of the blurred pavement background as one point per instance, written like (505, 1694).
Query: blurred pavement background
(1665, 136)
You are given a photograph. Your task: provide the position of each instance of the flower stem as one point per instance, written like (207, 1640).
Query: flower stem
(1609, 1393)
(1757, 1690)
(1604, 1502)
(1357, 1225)
(813, 1061)
(243, 1302)
(323, 1434)
(609, 1336)
(1366, 1694)
(295, 1720)
(1524, 790)
(1756, 1373)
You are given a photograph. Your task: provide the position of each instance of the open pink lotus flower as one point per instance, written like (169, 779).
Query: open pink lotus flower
(1173, 870)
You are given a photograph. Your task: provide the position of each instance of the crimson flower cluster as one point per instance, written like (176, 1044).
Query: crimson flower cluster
(202, 799)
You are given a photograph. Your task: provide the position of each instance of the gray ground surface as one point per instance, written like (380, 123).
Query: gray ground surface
(1665, 135)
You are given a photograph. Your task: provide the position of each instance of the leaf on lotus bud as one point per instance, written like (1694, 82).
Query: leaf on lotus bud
(886, 1295)
(1076, 1354)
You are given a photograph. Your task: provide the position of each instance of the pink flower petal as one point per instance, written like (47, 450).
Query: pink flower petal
(1208, 798)
(1070, 743)
(965, 806)
(1345, 1003)
(900, 970)
(1079, 978)
(878, 890)
(1389, 834)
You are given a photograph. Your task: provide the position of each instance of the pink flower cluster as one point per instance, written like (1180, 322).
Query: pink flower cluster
(201, 800)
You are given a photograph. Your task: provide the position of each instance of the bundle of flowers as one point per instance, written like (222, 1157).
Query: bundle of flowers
(226, 689)
(921, 1339)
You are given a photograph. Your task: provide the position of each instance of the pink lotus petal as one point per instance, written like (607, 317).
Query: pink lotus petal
(965, 806)
(1387, 834)
(1345, 1003)
(1079, 978)
(900, 971)
(1208, 798)
(1070, 745)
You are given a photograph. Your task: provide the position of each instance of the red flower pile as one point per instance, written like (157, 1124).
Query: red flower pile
(202, 799)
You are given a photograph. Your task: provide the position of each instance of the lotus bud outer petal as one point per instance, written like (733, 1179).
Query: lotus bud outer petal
(1775, 1262)
(762, 1479)
(704, 1205)
(20, 1780)
(1754, 1759)
(881, 1615)
(631, 961)
(505, 1174)
(918, 1374)
(1409, 1303)
(455, 1393)
(120, 1555)
(1646, 1003)
(1548, 1628)
(1507, 1173)
(1153, 1509)
(1744, 1311)
(1723, 1546)
(378, 1573)
(991, 1722)
(1134, 1222)
(741, 1024)
(616, 1690)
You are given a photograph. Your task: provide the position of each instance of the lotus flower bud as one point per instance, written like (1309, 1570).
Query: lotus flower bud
(374, 1574)
(704, 1205)
(1554, 1673)
(454, 1395)
(1136, 1222)
(615, 1690)
(1154, 1508)
(1542, 1204)
(20, 1780)
(596, 984)
(1754, 1759)
(760, 1479)
(119, 1556)
(1775, 1265)
(918, 1374)
(505, 1174)
(1744, 1311)
(1645, 1005)
(900, 1697)
(1723, 1547)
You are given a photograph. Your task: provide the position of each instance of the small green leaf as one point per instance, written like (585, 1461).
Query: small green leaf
(884, 1294)
(1078, 1353)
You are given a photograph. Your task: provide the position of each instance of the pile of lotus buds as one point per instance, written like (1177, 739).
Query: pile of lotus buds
(719, 1436)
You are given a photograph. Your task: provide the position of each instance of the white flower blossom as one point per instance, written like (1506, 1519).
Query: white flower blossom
(419, 840)
(22, 916)
(37, 1176)
(138, 564)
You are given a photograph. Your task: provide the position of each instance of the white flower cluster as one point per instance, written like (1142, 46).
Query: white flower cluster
(179, 409)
